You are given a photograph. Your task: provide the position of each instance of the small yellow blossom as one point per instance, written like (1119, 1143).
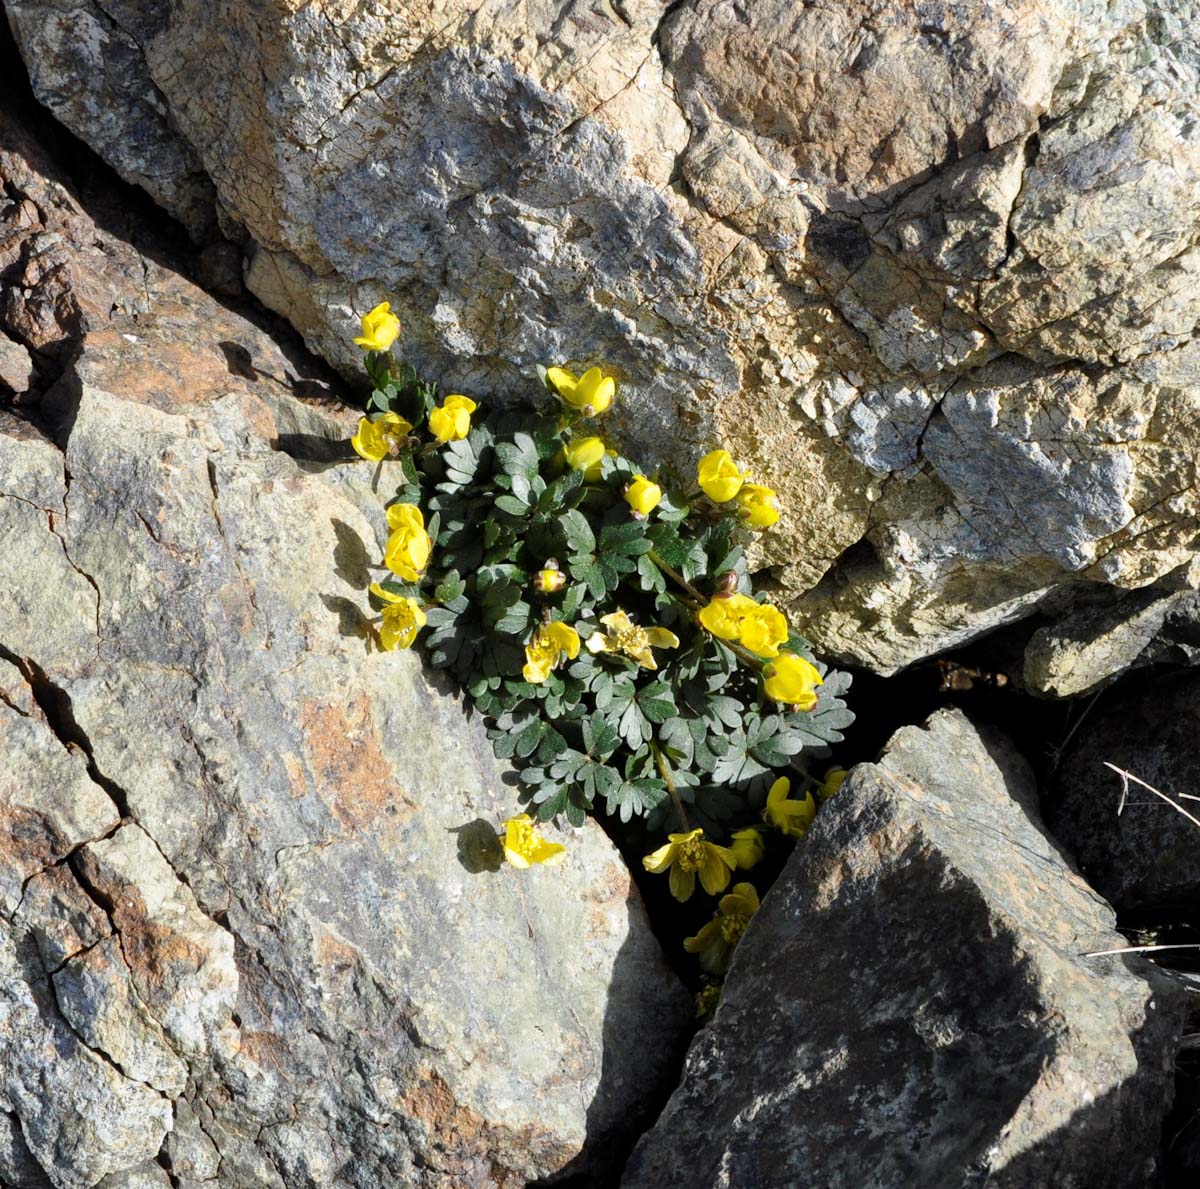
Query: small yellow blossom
(685, 855)
(716, 941)
(584, 454)
(792, 817)
(791, 679)
(524, 846)
(451, 420)
(403, 618)
(764, 630)
(758, 626)
(707, 999)
(834, 779)
(723, 615)
(550, 643)
(719, 477)
(549, 580)
(747, 846)
(408, 548)
(625, 637)
(379, 328)
(757, 505)
(591, 393)
(377, 439)
(642, 495)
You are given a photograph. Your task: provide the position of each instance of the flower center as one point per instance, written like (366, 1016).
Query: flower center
(733, 925)
(630, 640)
(691, 855)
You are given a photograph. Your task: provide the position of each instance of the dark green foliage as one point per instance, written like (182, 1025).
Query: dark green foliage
(602, 732)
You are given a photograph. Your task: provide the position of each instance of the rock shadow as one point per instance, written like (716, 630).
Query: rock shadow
(479, 848)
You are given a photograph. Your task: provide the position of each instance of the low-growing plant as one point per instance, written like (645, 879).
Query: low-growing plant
(601, 619)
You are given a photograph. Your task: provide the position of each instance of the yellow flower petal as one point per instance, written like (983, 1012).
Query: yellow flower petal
(682, 883)
(758, 506)
(584, 453)
(642, 495)
(719, 477)
(658, 861)
(714, 871)
(379, 328)
(790, 678)
(662, 638)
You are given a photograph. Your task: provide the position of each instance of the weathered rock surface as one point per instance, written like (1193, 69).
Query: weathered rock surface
(1147, 856)
(954, 323)
(913, 1005)
(254, 926)
(1094, 644)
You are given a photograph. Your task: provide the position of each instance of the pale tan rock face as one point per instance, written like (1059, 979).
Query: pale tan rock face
(809, 231)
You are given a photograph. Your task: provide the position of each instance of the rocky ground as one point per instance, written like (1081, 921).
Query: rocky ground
(254, 929)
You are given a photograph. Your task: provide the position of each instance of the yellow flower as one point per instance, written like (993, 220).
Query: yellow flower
(642, 495)
(792, 817)
(549, 580)
(584, 454)
(759, 626)
(451, 420)
(716, 940)
(591, 393)
(719, 477)
(707, 999)
(687, 854)
(764, 630)
(550, 643)
(524, 846)
(723, 615)
(379, 438)
(402, 619)
(791, 679)
(834, 779)
(625, 637)
(747, 847)
(757, 505)
(408, 548)
(379, 328)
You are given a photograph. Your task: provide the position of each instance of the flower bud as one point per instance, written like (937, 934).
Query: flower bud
(642, 496)
(549, 580)
(726, 583)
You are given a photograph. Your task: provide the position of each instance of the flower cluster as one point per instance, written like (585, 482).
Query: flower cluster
(604, 623)
(722, 481)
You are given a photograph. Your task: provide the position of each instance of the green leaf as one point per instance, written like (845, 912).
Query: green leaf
(638, 797)
(518, 457)
(512, 505)
(629, 539)
(450, 588)
(578, 533)
(599, 737)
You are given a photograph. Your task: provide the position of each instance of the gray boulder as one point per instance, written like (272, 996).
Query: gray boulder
(1094, 644)
(256, 930)
(913, 1003)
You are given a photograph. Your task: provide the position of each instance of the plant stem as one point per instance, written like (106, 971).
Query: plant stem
(665, 772)
(677, 578)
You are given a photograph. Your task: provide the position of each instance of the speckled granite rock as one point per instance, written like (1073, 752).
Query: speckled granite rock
(912, 1005)
(251, 899)
(954, 324)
